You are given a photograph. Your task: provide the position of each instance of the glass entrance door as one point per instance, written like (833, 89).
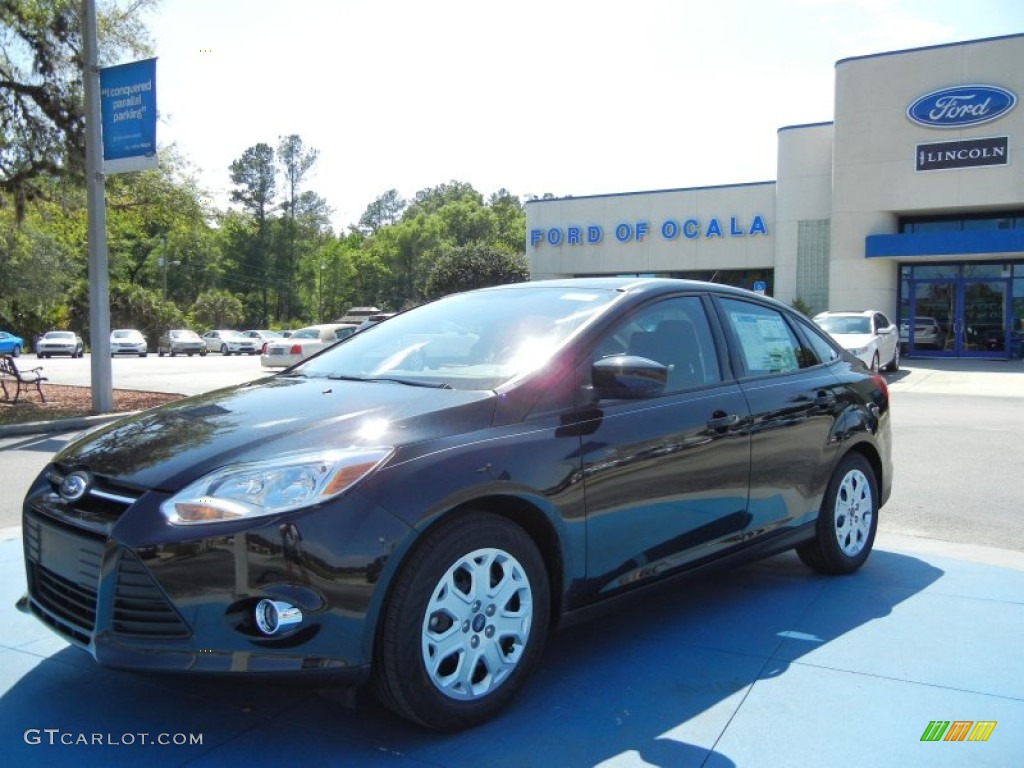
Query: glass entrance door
(981, 320)
(932, 317)
(960, 317)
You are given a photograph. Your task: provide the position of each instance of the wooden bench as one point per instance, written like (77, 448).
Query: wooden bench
(9, 373)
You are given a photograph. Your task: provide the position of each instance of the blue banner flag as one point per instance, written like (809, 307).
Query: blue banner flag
(128, 108)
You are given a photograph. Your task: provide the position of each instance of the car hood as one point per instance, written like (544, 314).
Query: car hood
(853, 340)
(170, 446)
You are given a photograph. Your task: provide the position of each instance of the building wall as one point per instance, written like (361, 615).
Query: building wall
(637, 231)
(837, 184)
(874, 179)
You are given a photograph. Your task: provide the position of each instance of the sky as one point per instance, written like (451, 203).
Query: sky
(567, 97)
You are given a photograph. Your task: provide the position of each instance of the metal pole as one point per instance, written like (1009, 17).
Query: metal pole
(99, 286)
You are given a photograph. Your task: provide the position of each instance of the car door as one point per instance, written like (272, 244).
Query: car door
(795, 400)
(888, 337)
(665, 477)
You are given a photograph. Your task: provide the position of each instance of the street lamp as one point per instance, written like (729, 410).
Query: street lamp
(320, 294)
(163, 266)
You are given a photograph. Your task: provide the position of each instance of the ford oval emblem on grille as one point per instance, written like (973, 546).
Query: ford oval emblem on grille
(75, 485)
(961, 106)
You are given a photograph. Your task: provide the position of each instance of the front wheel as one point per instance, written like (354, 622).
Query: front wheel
(845, 531)
(465, 624)
(224, 349)
(16, 351)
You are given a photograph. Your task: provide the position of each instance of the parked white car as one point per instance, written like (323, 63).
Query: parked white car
(230, 343)
(303, 343)
(128, 341)
(60, 343)
(868, 335)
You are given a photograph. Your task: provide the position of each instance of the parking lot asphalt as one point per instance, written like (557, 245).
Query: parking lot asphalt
(766, 665)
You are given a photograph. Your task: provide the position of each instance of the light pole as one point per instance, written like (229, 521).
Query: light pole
(163, 266)
(320, 294)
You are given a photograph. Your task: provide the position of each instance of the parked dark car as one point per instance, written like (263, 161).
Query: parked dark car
(416, 507)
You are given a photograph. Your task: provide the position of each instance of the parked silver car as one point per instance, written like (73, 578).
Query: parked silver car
(128, 341)
(180, 340)
(60, 343)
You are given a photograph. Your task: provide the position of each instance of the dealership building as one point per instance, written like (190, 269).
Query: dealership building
(910, 201)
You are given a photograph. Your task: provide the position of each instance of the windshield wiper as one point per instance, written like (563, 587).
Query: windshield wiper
(394, 380)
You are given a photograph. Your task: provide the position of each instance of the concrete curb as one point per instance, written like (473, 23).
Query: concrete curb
(61, 425)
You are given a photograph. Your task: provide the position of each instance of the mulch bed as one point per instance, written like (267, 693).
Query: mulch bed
(64, 402)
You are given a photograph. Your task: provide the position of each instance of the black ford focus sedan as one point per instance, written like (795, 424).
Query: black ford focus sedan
(416, 508)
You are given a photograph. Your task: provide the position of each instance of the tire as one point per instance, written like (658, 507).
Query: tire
(16, 351)
(143, 354)
(224, 350)
(189, 354)
(202, 353)
(440, 596)
(159, 351)
(847, 521)
(172, 353)
(894, 364)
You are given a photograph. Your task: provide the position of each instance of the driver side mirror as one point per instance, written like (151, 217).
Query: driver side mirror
(628, 377)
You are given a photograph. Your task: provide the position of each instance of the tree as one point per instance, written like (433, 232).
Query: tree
(464, 268)
(385, 210)
(254, 177)
(218, 309)
(296, 160)
(42, 113)
(432, 199)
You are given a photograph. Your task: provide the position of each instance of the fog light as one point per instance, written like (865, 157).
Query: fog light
(275, 616)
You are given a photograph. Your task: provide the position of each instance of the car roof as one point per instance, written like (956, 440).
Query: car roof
(849, 312)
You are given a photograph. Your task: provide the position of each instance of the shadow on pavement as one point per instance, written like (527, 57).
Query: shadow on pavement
(658, 683)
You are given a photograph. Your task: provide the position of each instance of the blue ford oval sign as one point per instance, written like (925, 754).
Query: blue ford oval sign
(961, 105)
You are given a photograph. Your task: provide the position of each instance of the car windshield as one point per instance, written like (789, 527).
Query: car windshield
(307, 333)
(125, 334)
(184, 335)
(845, 324)
(476, 340)
(60, 335)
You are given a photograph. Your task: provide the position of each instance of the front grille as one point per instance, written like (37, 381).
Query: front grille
(63, 575)
(140, 608)
(102, 505)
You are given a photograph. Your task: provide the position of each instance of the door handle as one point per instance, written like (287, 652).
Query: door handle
(721, 420)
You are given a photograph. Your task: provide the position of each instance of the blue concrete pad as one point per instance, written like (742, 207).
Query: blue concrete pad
(767, 665)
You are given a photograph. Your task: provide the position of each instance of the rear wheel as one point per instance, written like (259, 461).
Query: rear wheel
(894, 364)
(465, 623)
(224, 349)
(845, 531)
(16, 351)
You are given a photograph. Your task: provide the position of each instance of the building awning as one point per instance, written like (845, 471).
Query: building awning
(969, 244)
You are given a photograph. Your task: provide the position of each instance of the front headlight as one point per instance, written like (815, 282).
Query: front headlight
(270, 487)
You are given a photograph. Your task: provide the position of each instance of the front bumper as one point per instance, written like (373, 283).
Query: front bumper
(185, 602)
